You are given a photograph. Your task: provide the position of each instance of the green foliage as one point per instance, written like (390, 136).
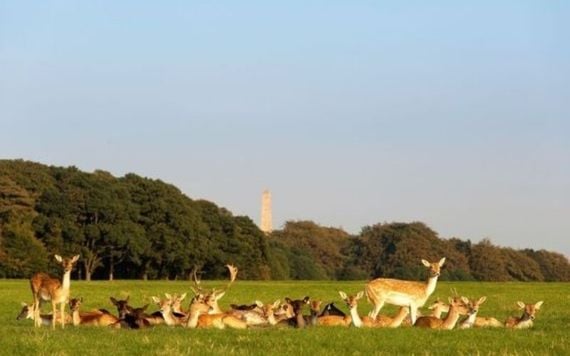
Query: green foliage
(135, 227)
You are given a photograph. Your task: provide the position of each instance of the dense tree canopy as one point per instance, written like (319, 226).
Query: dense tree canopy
(136, 227)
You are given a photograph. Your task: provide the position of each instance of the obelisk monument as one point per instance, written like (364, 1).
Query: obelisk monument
(266, 218)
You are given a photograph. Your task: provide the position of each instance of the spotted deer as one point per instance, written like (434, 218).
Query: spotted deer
(366, 321)
(94, 318)
(51, 289)
(27, 312)
(403, 293)
(458, 306)
(527, 318)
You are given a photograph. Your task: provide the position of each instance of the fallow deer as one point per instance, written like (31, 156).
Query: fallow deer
(403, 293)
(458, 306)
(474, 305)
(198, 317)
(527, 318)
(27, 312)
(51, 289)
(95, 318)
(165, 306)
(366, 321)
(438, 307)
(135, 318)
(331, 309)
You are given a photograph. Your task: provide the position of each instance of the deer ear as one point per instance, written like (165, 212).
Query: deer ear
(538, 305)
(465, 300)
(258, 303)
(521, 305)
(288, 300)
(306, 300)
(182, 297)
(167, 295)
(74, 258)
(113, 300)
(58, 258)
(219, 295)
(276, 303)
(156, 300)
(482, 300)
(441, 262)
(426, 263)
(450, 300)
(360, 295)
(342, 294)
(127, 298)
(24, 304)
(144, 307)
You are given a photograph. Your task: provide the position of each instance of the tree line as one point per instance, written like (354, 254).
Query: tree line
(136, 227)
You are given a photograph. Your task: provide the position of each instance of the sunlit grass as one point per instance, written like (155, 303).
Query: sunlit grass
(549, 335)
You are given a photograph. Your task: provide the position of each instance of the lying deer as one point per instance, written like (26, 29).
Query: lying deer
(439, 307)
(367, 321)
(95, 318)
(403, 293)
(27, 312)
(51, 289)
(198, 317)
(458, 306)
(135, 318)
(527, 318)
(165, 306)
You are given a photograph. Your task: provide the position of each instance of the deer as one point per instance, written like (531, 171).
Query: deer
(199, 317)
(438, 307)
(51, 289)
(214, 296)
(166, 311)
(367, 321)
(457, 306)
(177, 305)
(331, 309)
(286, 320)
(403, 293)
(95, 318)
(27, 312)
(527, 318)
(474, 305)
(135, 318)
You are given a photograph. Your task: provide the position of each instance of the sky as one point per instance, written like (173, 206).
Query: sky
(453, 113)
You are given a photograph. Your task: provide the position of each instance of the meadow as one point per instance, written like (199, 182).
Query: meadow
(549, 336)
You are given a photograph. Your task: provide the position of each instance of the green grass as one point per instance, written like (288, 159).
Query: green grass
(549, 336)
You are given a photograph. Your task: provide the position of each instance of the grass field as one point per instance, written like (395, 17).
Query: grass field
(550, 335)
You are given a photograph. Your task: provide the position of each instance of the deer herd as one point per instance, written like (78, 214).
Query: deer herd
(204, 312)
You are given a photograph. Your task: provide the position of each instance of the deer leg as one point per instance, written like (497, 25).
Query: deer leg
(36, 311)
(62, 312)
(53, 314)
(374, 312)
(413, 313)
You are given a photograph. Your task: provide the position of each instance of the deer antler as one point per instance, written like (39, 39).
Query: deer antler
(233, 274)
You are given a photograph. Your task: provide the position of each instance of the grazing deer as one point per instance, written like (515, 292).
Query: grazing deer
(458, 306)
(527, 318)
(166, 311)
(27, 312)
(46, 288)
(95, 318)
(403, 293)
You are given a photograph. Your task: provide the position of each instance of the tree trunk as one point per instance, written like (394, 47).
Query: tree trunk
(111, 268)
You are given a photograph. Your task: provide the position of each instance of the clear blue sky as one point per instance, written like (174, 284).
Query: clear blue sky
(452, 113)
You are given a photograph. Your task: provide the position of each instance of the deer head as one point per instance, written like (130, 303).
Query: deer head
(434, 267)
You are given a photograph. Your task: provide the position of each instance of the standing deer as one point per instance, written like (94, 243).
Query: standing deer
(403, 293)
(527, 318)
(46, 288)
